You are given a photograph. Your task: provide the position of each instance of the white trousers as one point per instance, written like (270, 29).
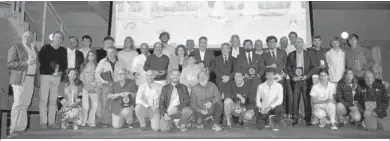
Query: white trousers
(326, 109)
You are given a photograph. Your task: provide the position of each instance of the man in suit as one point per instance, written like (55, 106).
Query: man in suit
(203, 55)
(22, 61)
(299, 69)
(74, 56)
(249, 62)
(236, 49)
(276, 58)
(223, 68)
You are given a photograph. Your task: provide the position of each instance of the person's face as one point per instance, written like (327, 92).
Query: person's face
(353, 42)
(158, 49)
(191, 60)
(271, 43)
(108, 43)
(202, 44)
(259, 45)
(190, 45)
(323, 77)
(235, 41)
(72, 75)
(91, 56)
(180, 51)
(248, 46)
(144, 49)
(149, 76)
(317, 42)
(292, 38)
(164, 38)
(335, 44)
(238, 78)
(111, 54)
(121, 75)
(57, 39)
(369, 78)
(349, 75)
(73, 43)
(175, 76)
(284, 42)
(27, 38)
(86, 42)
(203, 78)
(270, 75)
(225, 50)
(128, 42)
(299, 44)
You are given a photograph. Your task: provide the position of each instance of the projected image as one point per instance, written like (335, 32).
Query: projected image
(217, 20)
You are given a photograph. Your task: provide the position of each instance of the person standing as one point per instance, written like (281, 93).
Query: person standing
(138, 64)
(236, 49)
(190, 44)
(53, 63)
(203, 55)
(22, 57)
(74, 56)
(158, 63)
(128, 53)
(223, 68)
(85, 45)
(102, 53)
(335, 59)
(358, 58)
(167, 49)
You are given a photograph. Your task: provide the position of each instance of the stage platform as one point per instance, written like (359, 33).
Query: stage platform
(284, 132)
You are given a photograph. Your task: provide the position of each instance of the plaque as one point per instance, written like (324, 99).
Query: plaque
(252, 73)
(299, 71)
(322, 62)
(126, 102)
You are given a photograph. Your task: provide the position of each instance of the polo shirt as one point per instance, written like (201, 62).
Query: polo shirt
(117, 103)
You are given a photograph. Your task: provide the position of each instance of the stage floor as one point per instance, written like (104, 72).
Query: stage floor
(284, 132)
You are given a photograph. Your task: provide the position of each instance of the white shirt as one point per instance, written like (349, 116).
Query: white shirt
(71, 58)
(336, 63)
(290, 48)
(202, 53)
(319, 92)
(174, 101)
(32, 54)
(85, 51)
(149, 96)
(300, 59)
(127, 57)
(247, 56)
(138, 66)
(270, 96)
(235, 52)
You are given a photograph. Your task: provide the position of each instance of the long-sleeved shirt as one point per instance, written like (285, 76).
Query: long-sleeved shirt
(269, 96)
(149, 96)
(318, 92)
(359, 59)
(153, 62)
(105, 66)
(336, 64)
(50, 57)
(189, 75)
(127, 57)
(137, 66)
(200, 95)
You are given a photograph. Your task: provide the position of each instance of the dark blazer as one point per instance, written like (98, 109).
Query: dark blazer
(316, 56)
(79, 60)
(381, 97)
(221, 69)
(280, 60)
(166, 93)
(241, 50)
(208, 58)
(243, 65)
(17, 63)
(292, 64)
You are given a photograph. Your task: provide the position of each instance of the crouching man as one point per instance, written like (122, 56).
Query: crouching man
(238, 101)
(147, 102)
(174, 104)
(122, 97)
(206, 102)
(373, 101)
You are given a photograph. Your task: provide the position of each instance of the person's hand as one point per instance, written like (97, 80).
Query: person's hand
(295, 78)
(242, 99)
(246, 76)
(208, 105)
(162, 72)
(167, 117)
(124, 94)
(367, 113)
(282, 74)
(304, 77)
(322, 66)
(31, 61)
(56, 74)
(204, 112)
(272, 66)
(225, 78)
(266, 110)
(374, 114)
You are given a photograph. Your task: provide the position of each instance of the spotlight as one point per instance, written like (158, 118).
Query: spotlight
(344, 35)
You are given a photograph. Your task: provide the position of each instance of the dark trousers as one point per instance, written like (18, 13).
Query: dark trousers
(300, 89)
(287, 96)
(215, 110)
(262, 119)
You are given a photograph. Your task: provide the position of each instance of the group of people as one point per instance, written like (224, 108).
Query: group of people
(184, 86)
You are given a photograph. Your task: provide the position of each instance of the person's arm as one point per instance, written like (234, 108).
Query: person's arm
(98, 71)
(261, 67)
(339, 96)
(111, 94)
(383, 102)
(13, 61)
(312, 66)
(370, 59)
(194, 101)
(63, 61)
(147, 63)
(290, 72)
(284, 61)
(216, 94)
(258, 97)
(139, 98)
(313, 95)
(359, 99)
(186, 97)
(183, 77)
(217, 72)
(279, 98)
(163, 101)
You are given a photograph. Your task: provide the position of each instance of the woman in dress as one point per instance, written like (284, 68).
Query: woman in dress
(88, 79)
(71, 90)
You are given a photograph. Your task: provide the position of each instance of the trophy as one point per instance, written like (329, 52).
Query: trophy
(126, 101)
(252, 73)
(299, 72)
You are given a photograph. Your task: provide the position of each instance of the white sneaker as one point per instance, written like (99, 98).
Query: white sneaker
(315, 121)
(217, 128)
(333, 126)
(322, 123)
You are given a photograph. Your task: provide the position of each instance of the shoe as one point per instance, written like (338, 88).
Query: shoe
(92, 125)
(199, 126)
(131, 126)
(54, 126)
(83, 124)
(143, 128)
(13, 134)
(269, 121)
(322, 123)
(308, 124)
(333, 126)
(63, 126)
(217, 128)
(43, 126)
(105, 125)
(182, 128)
(315, 121)
(295, 122)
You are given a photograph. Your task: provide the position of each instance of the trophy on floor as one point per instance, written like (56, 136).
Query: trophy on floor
(252, 73)
(299, 72)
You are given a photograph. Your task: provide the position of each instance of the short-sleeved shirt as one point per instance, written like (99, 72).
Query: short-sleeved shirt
(323, 93)
(117, 103)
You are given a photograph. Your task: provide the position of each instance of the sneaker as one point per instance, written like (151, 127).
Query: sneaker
(182, 128)
(43, 126)
(13, 134)
(75, 126)
(217, 128)
(131, 125)
(199, 126)
(63, 126)
(315, 121)
(105, 125)
(322, 123)
(270, 119)
(176, 122)
(92, 125)
(83, 124)
(54, 126)
(333, 126)
(143, 128)
(308, 124)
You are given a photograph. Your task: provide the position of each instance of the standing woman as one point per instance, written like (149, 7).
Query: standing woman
(88, 79)
(128, 53)
(179, 60)
(71, 89)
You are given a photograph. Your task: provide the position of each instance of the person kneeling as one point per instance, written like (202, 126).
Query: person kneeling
(174, 104)
(238, 101)
(147, 102)
(122, 95)
(206, 102)
(269, 99)
(323, 102)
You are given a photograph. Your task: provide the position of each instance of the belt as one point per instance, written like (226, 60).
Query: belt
(30, 74)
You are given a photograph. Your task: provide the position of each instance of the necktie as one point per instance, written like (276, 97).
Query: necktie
(249, 58)
(226, 60)
(273, 55)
